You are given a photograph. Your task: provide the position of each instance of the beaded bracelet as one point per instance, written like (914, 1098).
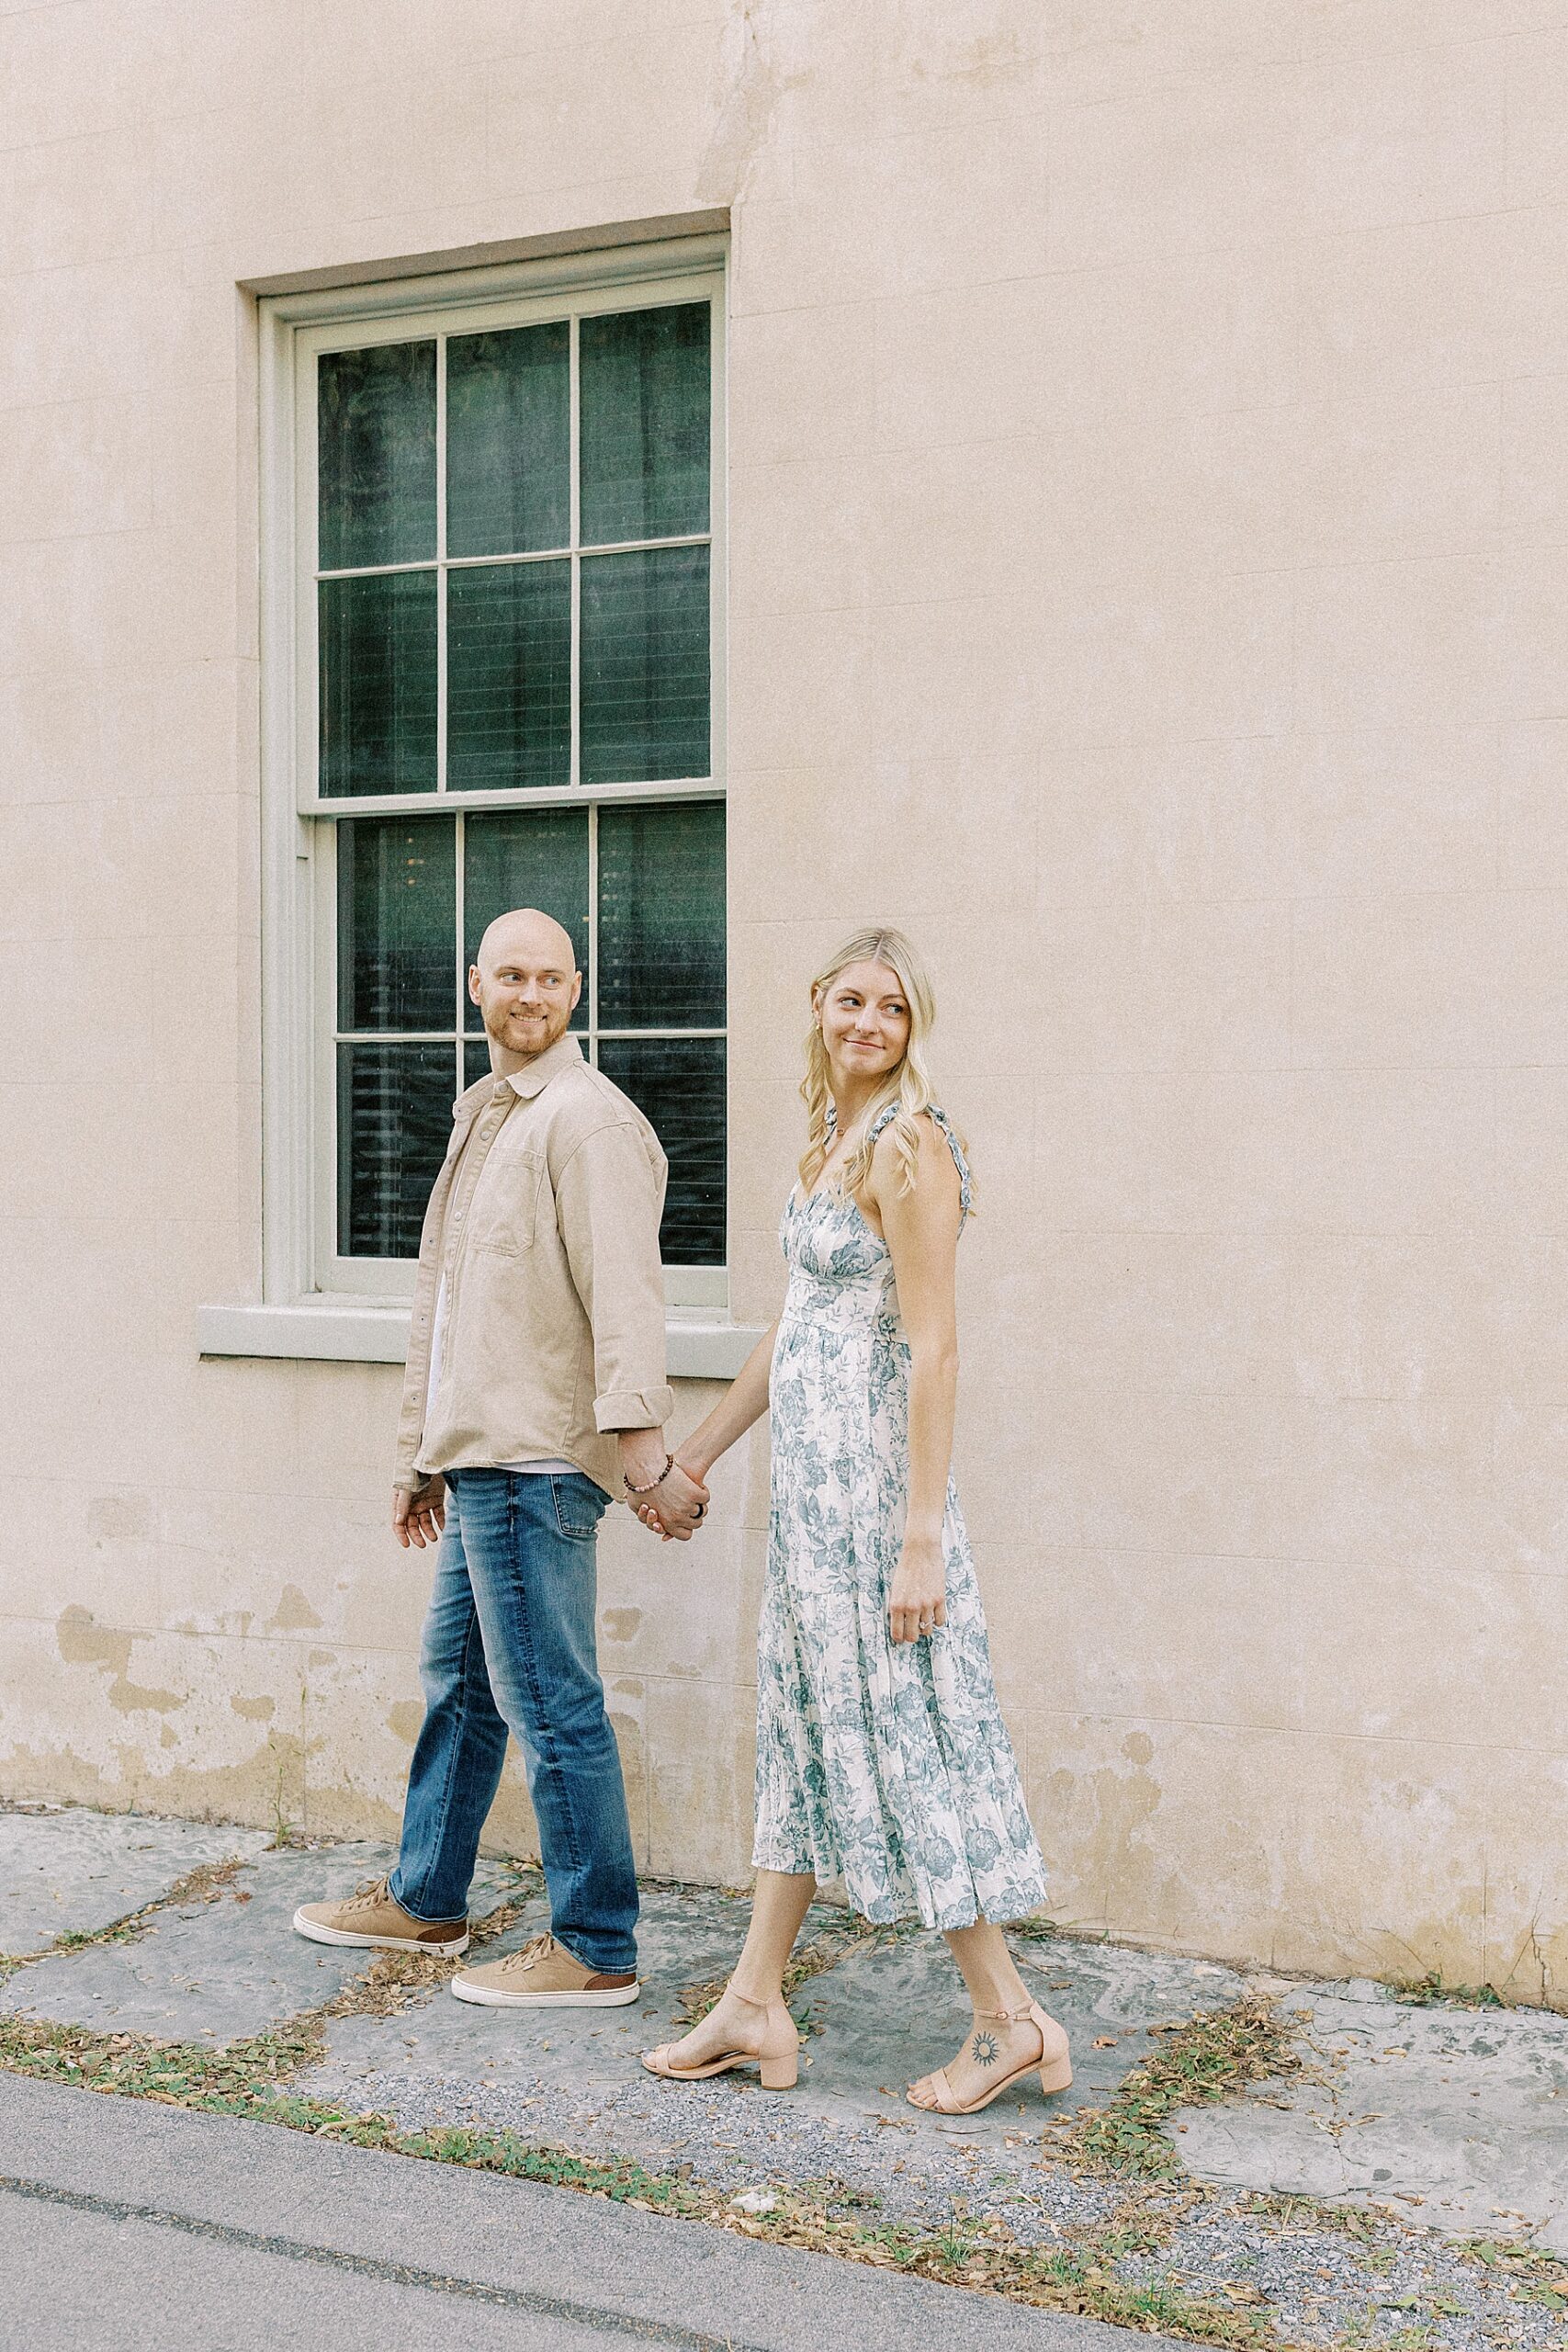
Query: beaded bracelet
(669, 1465)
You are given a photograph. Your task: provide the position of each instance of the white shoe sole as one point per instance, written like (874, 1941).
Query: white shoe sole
(483, 1998)
(320, 1935)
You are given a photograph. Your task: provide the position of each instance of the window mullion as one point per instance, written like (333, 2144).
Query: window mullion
(441, 563)
(460, 862)
(574, 526)
(376, 571)
(593, 933)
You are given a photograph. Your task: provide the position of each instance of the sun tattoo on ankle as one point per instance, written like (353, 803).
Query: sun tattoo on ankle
(984, 2050)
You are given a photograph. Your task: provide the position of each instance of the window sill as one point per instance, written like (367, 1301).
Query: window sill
(344, 1331)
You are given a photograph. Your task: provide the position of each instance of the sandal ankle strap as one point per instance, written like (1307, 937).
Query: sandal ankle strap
(1009, 2016)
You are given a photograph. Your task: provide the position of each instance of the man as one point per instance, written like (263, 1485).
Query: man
(536, 1390)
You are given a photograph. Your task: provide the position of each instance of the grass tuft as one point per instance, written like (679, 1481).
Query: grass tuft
(1433, 1991)
(1216, 2054)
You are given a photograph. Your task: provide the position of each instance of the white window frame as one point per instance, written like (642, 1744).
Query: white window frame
(301, 1268)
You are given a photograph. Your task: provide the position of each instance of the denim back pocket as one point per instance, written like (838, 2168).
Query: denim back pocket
(579, 1505)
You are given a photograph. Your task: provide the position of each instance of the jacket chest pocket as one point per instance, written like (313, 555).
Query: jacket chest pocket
(504, 1214)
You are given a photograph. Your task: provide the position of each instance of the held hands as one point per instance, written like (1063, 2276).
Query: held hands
(676, 1508)
(419, 1518)
(918, 1601)
(673, 1502)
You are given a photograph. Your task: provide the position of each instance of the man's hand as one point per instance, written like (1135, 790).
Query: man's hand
(419, 1517)
(674, 1505)
(677, 1505)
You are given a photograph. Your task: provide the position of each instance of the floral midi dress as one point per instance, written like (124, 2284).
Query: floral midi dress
(886, 1762)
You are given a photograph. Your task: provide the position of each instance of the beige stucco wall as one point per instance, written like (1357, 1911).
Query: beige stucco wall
(1149, 583)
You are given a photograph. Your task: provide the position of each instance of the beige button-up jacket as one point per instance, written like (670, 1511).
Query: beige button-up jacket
(544, 1222)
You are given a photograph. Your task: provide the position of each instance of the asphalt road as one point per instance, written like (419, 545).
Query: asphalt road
(125, 2225)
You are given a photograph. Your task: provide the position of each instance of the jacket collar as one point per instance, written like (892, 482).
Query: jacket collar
(565, 1053)
(525, 1083)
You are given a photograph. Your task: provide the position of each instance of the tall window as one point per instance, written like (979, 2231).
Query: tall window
(505, 541)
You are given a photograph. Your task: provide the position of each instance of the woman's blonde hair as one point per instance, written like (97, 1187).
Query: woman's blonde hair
(909, 1084)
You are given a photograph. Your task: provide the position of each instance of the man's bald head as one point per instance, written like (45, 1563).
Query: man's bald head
(525, 982)
(528, 932)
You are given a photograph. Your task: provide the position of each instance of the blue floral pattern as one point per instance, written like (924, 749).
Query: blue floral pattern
(886, 1762)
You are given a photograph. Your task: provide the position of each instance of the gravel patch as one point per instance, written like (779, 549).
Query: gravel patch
(731, 2137)
(1398, 2284)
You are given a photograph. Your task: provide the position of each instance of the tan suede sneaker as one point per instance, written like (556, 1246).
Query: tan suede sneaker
(371, 1916)
(543, 1975)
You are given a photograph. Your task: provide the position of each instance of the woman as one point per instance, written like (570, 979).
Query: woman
(881, 1752)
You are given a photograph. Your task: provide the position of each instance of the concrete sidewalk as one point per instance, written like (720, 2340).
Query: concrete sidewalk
(1417, 2129)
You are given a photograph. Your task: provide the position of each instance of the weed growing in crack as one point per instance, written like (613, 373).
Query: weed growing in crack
(206, 1883)
(1432, 1991)
(1217, 2054)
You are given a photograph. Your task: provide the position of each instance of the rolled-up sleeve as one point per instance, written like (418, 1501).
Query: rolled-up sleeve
(609, 1198)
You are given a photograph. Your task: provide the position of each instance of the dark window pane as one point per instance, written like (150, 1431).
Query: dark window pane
(508, 440)
(662, 917)
(645, 666)
(678, 1083)
(394, 1120)
(645, 400)
(536, 858)
(508, 676)
(377, 684)
(397, 922)
(376, 449)
(476, 1062)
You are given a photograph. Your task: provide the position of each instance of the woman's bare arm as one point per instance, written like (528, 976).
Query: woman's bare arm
(743, 1402)
(921, 1230)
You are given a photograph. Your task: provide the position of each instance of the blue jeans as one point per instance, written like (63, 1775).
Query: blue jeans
(509, 1645)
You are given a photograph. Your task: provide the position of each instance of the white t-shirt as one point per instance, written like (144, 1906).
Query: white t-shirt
(542, 1468)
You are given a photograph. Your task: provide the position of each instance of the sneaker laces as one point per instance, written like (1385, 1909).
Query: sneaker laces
(518, 1964)
(369, 1894)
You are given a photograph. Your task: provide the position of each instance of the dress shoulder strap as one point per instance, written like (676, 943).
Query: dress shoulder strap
(890, 1112)
(966, 1182)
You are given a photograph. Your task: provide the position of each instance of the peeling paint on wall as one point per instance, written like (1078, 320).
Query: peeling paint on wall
(250, 1792)
(120, 1519)
(84, 1642)
(293, 1615)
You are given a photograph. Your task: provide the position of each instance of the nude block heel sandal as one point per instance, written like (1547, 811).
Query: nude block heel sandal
(1053, 2065)
(777, 2068)
(1056, 2074)
(777, 2057)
